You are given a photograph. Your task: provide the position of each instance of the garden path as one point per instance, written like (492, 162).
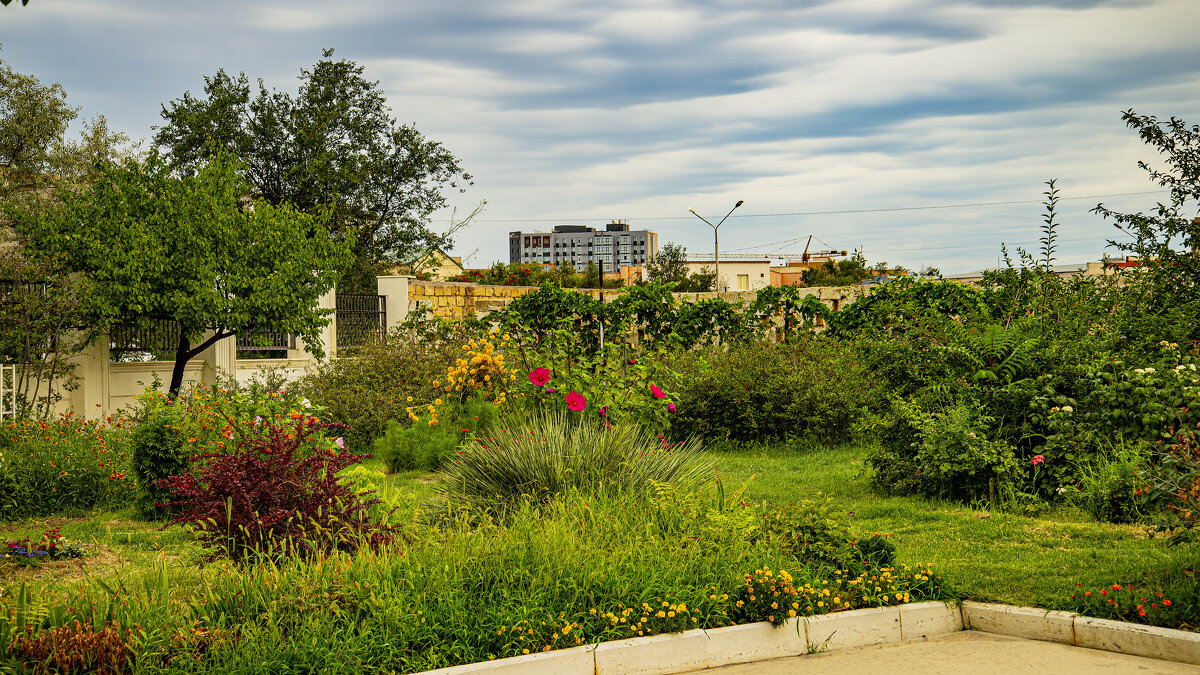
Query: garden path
(967, 651)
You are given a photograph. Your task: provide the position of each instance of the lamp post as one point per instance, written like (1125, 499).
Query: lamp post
(716, 246)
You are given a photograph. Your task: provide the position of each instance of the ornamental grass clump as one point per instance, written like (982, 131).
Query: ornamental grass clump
(537, 455)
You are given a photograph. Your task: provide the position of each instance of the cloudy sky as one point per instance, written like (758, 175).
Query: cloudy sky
(919, 130)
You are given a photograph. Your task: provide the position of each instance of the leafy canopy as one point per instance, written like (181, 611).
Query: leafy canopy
(333, 147)
(193, 251)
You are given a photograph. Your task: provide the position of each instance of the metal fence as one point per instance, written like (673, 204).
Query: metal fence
(160, 339)
(8, 391)
(265, 340)
(360, 318)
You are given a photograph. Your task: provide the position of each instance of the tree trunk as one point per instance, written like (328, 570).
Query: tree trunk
(182, 356)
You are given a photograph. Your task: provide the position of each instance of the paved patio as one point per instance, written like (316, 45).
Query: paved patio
(970, 652)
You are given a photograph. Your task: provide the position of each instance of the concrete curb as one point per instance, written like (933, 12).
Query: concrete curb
(1166, 644)
(699, 649)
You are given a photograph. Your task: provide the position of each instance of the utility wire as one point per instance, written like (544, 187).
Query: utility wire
(827, 213)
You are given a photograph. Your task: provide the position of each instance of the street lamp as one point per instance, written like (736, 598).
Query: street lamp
(716, 247)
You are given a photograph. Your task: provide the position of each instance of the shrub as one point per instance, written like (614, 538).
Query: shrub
(160, 451)
(537, 455)
(957, 460)
(277, 492)
(422, 446)
(758, 390)
(373, 384)
(66, 465)
(1107, 486)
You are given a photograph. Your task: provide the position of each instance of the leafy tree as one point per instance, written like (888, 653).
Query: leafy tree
(37, 161)
(670, 265)
(840, 272)
(194, 252)
(334, 147)
(1168, 239)
(40, 319)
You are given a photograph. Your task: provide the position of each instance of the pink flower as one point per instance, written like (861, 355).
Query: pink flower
(340, 442)
(575, 401)
(658, 393)
(1037, 459)
(604, 411)
(540, 376)
(670, 407)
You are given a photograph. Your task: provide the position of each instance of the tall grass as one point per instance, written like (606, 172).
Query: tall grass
(535, 455)
(556, 574)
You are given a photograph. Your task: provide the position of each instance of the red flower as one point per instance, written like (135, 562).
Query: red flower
(540, 376)
(575, 401)
(1037, 459)
(656, 392)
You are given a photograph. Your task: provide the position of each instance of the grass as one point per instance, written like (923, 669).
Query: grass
(986, 555)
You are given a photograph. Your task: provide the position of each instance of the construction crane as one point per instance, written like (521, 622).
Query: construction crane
(825, 255)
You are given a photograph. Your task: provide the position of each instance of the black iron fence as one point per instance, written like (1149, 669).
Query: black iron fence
(360, 318)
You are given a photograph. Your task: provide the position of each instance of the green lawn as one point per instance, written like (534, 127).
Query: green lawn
(985, 555)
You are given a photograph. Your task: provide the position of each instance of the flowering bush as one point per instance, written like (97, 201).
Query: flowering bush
(277, 492)
(51, 546)
(69, 463)
(1125, 602)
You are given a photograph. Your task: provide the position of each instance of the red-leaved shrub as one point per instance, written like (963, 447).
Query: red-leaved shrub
(277, 493)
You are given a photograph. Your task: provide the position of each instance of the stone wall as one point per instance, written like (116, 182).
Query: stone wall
(458, 301)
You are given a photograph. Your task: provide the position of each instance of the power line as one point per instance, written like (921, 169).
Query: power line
(894, 209)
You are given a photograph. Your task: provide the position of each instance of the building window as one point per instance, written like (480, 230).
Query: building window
(743, 282)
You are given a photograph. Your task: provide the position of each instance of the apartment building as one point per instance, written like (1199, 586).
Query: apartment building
(616, 246)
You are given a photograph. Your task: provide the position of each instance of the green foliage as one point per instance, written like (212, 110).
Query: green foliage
(615, 388)
(42, 328)
(1108, 485)
(367, 389)
(333, 148)
(159, 450)
(64, 466)
(188, 250)
(956, 458)
(840, 272)
(536, 456)
(758, 390)
(670, 267)
(421, 446)
(1167, 240)
(809, 531)
(371, 485)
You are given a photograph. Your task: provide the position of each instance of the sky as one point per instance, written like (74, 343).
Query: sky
(919, 131)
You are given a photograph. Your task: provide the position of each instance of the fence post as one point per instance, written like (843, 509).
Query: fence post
(90, 399)
(328, 334)
(220, 357)
(395, 289)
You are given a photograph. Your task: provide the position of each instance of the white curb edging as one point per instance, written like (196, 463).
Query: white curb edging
(698, 649)
(1135, 639)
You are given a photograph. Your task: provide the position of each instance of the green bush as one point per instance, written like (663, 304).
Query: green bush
(373, 384)
(426, 444)
(1107, 486)
(160, 450)
(758, 390)
(957, 460)
(533, 456)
